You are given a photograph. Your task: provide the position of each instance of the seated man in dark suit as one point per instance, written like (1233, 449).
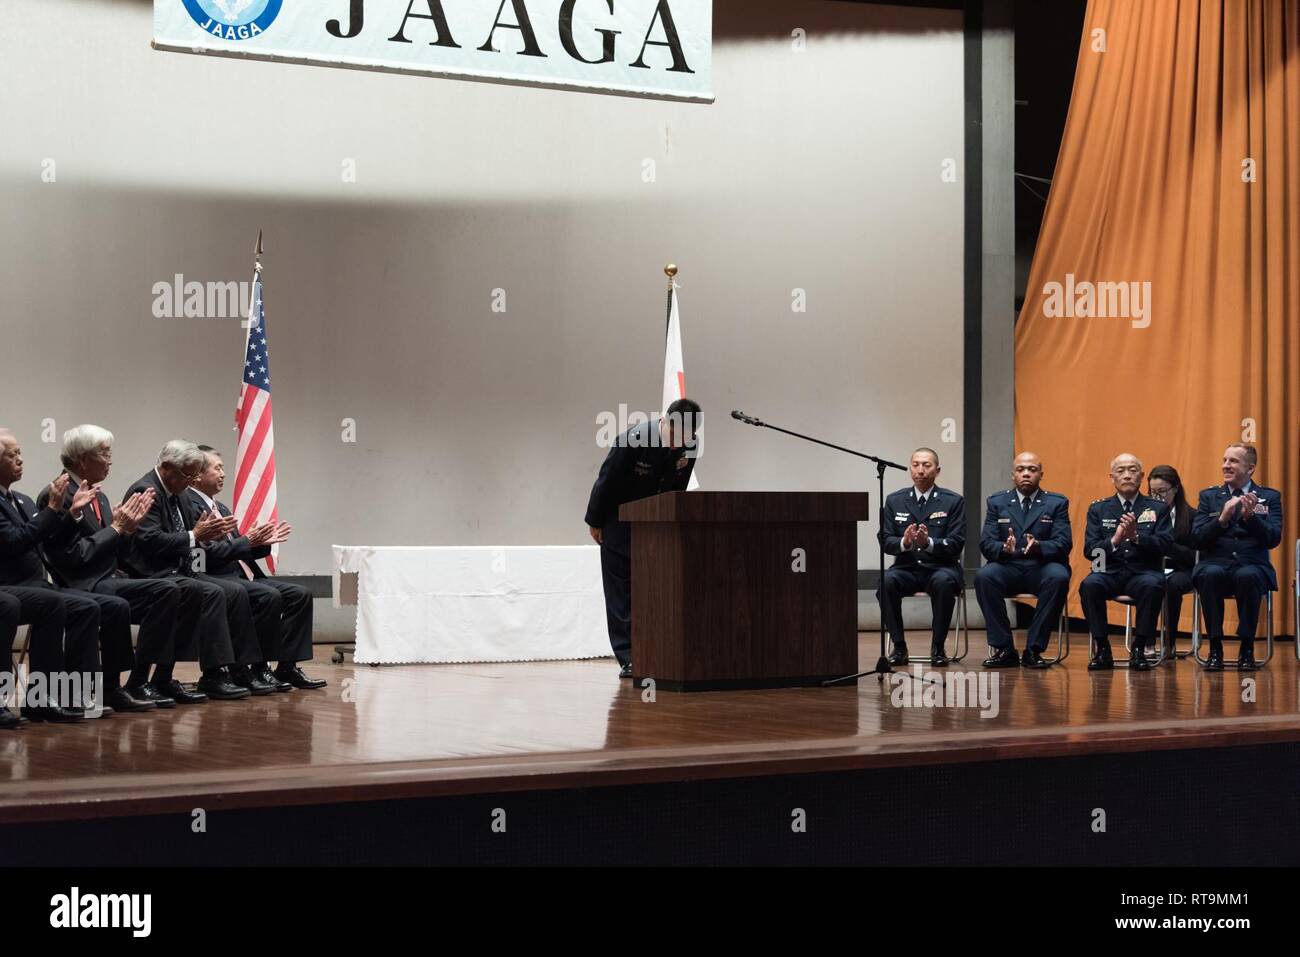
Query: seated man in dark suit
(645, 460)
(65, 626)
(1236, 525)
(924, 527)
(166, 545)
(85, 557)
(284, 633)
(1128, 535)
(1026, 540)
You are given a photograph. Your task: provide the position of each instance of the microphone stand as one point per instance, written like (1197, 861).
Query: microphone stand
(882, 666)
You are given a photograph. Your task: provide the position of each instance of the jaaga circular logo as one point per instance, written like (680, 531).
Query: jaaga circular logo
(234, 19)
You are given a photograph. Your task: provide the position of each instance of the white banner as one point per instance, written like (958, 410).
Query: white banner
(650, 48)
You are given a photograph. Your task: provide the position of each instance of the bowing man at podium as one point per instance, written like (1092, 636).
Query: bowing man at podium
(924, 527)
(647, 459)
(1026, 541)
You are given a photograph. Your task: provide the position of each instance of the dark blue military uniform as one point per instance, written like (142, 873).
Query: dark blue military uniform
(935, 570)
(1133, 569)
(634, 469)
(1234, 560)
(1045, 573)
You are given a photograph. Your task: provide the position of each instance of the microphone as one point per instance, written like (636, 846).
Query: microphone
(747, 419)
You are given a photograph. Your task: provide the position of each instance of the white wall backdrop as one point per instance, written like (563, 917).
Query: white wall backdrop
(817, 169)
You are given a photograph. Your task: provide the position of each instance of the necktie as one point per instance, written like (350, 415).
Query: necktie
(920, 504)
(176, 514)
(1024, 505)
(1128, 508)
(94, 505)
(13, 500)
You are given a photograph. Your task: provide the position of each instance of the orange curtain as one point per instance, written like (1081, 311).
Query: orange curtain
(1179, 168)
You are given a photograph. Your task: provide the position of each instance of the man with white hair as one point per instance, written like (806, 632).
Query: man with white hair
(1126, 539)
(167, 545)
(85, 556)
(64, 626)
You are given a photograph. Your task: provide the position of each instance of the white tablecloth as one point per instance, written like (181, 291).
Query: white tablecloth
(475, 604)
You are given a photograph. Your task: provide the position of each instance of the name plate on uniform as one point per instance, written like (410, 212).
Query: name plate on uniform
(647, 48)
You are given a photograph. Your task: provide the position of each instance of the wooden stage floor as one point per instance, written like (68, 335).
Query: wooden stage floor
(431, 730)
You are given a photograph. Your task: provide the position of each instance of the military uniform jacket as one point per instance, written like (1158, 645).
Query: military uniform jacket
(1244, 541)
(944, 519)
(1154, 534)
(634, 469)
(1048, 520)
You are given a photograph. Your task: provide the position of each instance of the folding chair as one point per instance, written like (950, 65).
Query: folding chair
(1062, 631)
(1268, 631)
(962, 643)
(1129, 604)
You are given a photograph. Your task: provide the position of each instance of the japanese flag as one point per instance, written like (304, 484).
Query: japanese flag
(675, 371)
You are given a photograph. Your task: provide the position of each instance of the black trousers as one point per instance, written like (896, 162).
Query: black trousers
(116, 653)
(282, 616)
(64, 635)
(1177, 584)
(291, 633)
(214, 623)
(996, 582)
(155, 607)
(943, 585)
(616, 576)
(1214, 583)
(1146, 588)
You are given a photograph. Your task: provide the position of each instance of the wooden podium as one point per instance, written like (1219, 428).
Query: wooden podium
(744, 589)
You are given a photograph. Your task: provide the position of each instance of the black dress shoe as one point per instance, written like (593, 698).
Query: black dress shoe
(219, 686)
(122, 700)
(1137, 660)
(899, 655)
(1003, 658)
(10, 721)
(266, 677)
(1246, 659)
(297, 679)
(1102, 659)
(244, 677)
(625, 671)
(1032, 659)
(147, 692)
(938, 657)
(180, 694)
(53, 715)
(1215, 661)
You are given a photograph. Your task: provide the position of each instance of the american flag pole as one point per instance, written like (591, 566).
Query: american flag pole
(255, 499)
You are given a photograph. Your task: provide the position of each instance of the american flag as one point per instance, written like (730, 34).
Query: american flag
(255, 499)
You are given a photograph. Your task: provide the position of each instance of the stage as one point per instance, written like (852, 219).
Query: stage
(565, 738)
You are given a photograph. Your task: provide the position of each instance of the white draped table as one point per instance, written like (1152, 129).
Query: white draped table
(473, 604)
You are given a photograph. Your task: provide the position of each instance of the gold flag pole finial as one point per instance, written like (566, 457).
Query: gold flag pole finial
(670, 271)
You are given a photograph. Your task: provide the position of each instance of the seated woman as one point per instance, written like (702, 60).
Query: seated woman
(1164, 484)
